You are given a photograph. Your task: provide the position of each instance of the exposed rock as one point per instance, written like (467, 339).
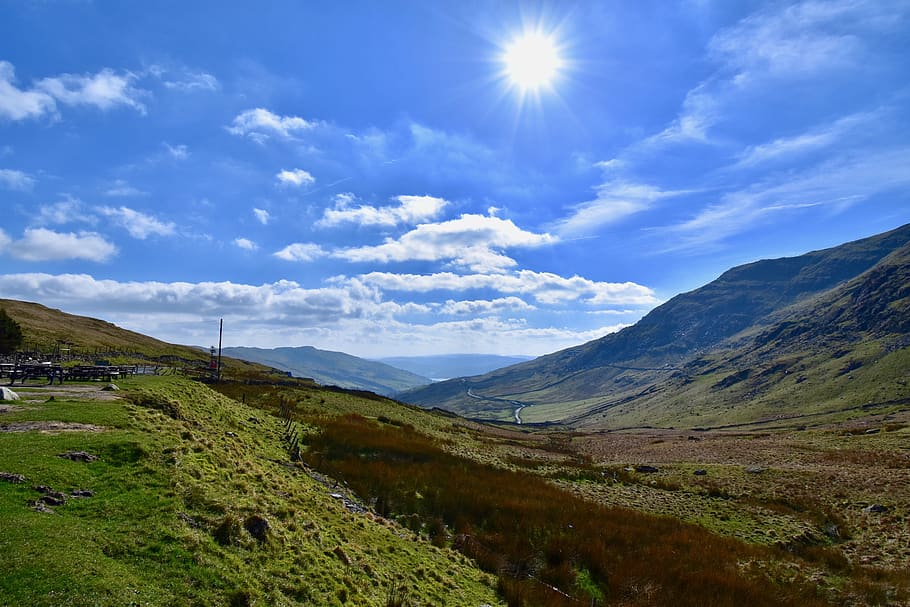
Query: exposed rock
(876, 508)
(231, 434)
(873, 430)
(111, 388)
(646, 469)
(82, 493)
(7, 394)
(257, 527)
(10, 477)
(700, 472)
(78, 456)
(49, 496)
(39, 506)
(694, 438)
(755, 469)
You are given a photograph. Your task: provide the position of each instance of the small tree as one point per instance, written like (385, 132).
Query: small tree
(10, 334)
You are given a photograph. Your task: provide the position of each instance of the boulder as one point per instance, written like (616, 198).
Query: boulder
(700, 472)
(646, 469)
(78, 456)
(876, 508)
(7, 394)
(755, 469)
(111, 388)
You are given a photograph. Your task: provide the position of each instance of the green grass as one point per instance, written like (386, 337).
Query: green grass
(172, 490)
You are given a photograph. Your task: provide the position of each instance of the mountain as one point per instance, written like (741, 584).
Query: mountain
(445, 366)
(333, 368)
(767, 339)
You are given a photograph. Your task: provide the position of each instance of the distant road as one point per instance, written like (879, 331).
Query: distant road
(515, 403)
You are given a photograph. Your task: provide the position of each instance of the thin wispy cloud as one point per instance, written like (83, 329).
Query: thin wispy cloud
(16, 180)
(139, 225)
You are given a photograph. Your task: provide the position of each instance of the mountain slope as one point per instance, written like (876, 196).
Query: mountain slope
(445, 366)
(333, 368)
(634, 365)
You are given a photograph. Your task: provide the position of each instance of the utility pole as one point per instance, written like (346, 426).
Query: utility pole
(220, 330)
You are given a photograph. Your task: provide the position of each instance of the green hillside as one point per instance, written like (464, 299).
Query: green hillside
(333, 368)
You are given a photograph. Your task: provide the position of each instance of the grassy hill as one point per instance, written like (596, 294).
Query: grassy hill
(47, 330)
(333, 368)
(669, 368)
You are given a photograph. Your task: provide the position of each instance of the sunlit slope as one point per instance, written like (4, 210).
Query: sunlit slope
(636, 374)
(193, 500)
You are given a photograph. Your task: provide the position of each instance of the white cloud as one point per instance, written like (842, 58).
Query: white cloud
(262, 216)
(138, 224)
(16, 180)
(300, 252)
(814, 139)
(616, 199)
(259, 124)
(410, 210)
(177, 152)
(122, 189)
(103, 90)
(836, 184)
(545, 287)
(68, 210)
(41, 244)
(246, 244)
(478, 307)
(351, 318)
(18, 104)
(472, 241)
(193, 81)
(799, 39)
(295, 177)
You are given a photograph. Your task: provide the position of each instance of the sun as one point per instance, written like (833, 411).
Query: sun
(532, 61)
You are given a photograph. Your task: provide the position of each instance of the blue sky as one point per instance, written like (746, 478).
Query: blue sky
(367, 177)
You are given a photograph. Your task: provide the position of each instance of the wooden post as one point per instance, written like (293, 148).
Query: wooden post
(220, 329)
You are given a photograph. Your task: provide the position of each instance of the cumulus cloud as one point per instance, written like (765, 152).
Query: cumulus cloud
(545, 287)
(409, 210)
(41, 244)
(19, 104)
(259, 124)
(295, 177)
(471, 241)
(246, 244)
(477, 307)
(138, 224)
(262, 216)
(16, 180)
(104, 90)
(299, 251)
